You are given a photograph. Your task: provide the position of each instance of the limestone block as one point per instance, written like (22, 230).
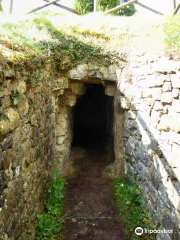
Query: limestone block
(110, 90)
(125, 103)
(60, 140)
(154, 81)
(167, 87)
(166, 97)
(175, 93)
(175, 79)
(60, 84)
(80, 72)
(164, 65)
(176, 105)
(156, 93)
(70, 100)
(147, 93)
(6, 102)
(105, 72)
(95, 74)
(7, 125)
(77, 89)
(164, 122)
(174, 122)
(61, 128)
(21, 86)
(34, 120)
(155, 117)
(158, 106)
(112, 73)
(166, 109)
(23, 107)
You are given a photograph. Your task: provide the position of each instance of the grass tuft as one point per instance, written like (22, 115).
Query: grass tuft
(172, 32)
(129, 205)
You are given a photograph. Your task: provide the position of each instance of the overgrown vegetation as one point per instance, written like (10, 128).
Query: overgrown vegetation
(40, 39)
(50, 222)
(172, 32)
(131, 212)
(15, 94)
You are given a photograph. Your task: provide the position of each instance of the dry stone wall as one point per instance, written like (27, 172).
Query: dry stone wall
(27, 133)
(149, 93)
(36, 106)
(36, 120)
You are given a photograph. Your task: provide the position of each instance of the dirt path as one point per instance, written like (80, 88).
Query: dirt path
(89, 199)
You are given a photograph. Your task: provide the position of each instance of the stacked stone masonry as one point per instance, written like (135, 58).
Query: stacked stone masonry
(35, 139)
(36, 118)
(149, 91)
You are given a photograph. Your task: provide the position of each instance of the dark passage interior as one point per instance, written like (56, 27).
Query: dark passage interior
(91, 212)
(93, 118)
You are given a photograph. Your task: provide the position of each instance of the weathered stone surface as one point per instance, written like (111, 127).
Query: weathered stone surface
(155, 117)
(70, 99)
(175, 80)
(125, 103)
(175, 93)
(174, 122)
(80, 72)
(23, 107)
(167, 87)
(154, 81)
(164, 65)
(156, 93)
(153, 144)
(164, 122)
(21, 86)
(112, 73)
(78, 88)
(158, 106)
(10, 123)
(110, 90)
(176, 105)
(166, 97)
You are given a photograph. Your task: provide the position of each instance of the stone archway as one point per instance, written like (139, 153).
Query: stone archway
(78, 80)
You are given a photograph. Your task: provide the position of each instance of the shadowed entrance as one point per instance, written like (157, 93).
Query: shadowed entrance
(93, 118)
(89, 198)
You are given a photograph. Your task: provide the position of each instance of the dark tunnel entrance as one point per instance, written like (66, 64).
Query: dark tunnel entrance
(93, 119)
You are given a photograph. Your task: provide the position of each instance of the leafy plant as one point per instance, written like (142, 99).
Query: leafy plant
(105, 5)
(15, 94)
(84, 6)
(129, 205)
(49, 223)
